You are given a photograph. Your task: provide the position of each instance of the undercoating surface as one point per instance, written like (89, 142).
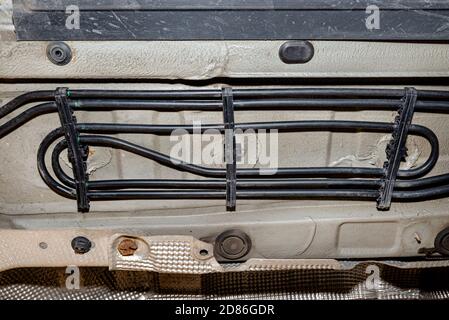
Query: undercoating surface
(212, 59)
(306, 229)
(31, 214)
(44, 240)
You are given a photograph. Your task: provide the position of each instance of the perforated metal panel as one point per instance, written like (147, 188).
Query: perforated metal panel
(99, 283)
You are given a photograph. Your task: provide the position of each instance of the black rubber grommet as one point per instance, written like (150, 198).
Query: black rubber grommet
(232, 244)
(442, 242)
(59, 53)
(81, 245)
(297, 52)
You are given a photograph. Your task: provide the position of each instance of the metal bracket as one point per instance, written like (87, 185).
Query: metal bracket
(77, 153)
(230, 152)
(396, 149)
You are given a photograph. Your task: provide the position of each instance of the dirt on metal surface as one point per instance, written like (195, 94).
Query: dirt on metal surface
(127, 247)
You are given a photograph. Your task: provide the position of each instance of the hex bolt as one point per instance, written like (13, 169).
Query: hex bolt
(127, 247)
(81, 245)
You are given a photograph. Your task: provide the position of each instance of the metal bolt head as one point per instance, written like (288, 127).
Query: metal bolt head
(81, 245)
(127, 247)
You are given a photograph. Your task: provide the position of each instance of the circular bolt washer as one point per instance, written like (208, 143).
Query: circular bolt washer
(296, 52)
(127, 247)
(442, 242)
(59, 53)
(232, 244)
(81, 245)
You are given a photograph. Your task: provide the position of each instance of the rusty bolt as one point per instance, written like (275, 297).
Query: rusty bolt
(127, 247)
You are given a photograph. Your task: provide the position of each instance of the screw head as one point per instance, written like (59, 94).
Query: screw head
(127, 247)
(81, 245)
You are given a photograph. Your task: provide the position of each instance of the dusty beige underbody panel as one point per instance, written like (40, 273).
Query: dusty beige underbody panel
(212, 59)
(37, 225)
(296, 229)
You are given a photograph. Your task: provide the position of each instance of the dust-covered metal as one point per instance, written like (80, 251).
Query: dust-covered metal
(167, 254)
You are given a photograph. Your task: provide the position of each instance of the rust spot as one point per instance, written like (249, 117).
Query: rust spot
(127, 247)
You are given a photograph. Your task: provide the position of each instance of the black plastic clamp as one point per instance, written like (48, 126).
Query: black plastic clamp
(76, 152)
(229, 149)
(396, 150)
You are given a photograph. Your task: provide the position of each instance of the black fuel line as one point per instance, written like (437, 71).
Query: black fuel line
(351, 183)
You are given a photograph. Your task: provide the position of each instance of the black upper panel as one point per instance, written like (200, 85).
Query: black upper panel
(407, 20)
